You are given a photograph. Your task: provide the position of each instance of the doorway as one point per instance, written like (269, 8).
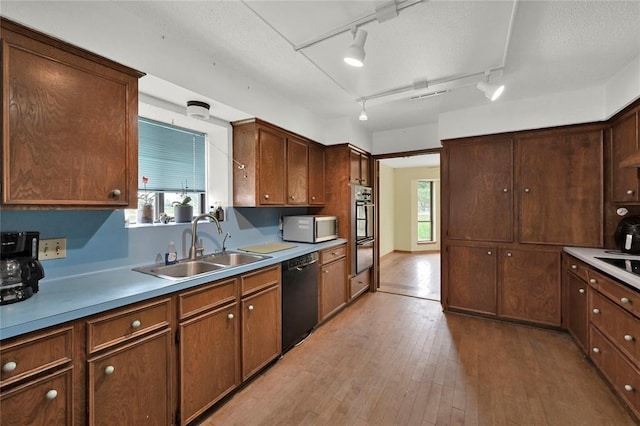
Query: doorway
(408, 224)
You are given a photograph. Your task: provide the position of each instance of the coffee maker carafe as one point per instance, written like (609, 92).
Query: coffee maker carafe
(20, 269)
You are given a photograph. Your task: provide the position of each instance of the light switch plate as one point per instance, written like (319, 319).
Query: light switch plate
(52, 248)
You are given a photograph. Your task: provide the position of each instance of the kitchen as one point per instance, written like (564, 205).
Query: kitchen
(98, 241)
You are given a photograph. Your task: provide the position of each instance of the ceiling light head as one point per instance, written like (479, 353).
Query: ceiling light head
(198, 109)
(491, 91)
(363, 114)
(355, 53)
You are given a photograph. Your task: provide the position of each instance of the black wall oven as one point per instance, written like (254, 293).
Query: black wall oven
(363, 226)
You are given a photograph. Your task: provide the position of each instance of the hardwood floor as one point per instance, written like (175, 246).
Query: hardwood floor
(411, 274)
(394, 360)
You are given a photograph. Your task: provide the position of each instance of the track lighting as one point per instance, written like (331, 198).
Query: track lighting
(491, 91)
(355, 53)
(363, 114)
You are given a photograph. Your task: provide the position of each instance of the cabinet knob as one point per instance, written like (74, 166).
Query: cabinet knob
(624, 300)
(593, 280)
(230, 316)
(266, 196)
(630, 192)
(574, 267)
(489, 253)
(250, 307)
(9, 366)
(52, 394)
(509, 254)
(293, 197)
(628, 388)
(313, 198)
(136, 324)
(596, 350)
(628, 338)
(325, 271)
(527, 190)
(581, 291)
(596, 310)
(505, 189)
(116, 193)
(109, 370)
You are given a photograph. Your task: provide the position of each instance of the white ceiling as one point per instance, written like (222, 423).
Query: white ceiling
(542, 47)
(425, 160)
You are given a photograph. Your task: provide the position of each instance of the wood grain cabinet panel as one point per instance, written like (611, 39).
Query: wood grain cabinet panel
(271, 167)
(530, 286)
(316, 175)
(66, 110)
(620, 327)
(625, 143)
(333, 288)
(577, 315)
(297, 171)
(473, 279)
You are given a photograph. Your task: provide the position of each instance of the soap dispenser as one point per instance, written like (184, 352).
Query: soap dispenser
(171, 256)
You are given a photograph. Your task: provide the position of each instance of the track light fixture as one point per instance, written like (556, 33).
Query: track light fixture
(363, 114)
(355, 53)
(491, 91)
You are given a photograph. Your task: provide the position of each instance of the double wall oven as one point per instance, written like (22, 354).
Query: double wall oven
(362, 227)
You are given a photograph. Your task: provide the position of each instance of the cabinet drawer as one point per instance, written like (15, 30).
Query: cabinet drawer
(620, 327)
(333, 253)
(207, 297)
(260, 279)
(623, 296)
(359, 283)
(577, 267)
(27, 357)
(602, 354)
(123, 325)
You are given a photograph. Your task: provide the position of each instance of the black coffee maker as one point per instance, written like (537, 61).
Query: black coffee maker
(20, 269)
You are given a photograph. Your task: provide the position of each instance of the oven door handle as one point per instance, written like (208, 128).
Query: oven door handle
(365, 241)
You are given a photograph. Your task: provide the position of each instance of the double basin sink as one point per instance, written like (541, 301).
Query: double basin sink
(206, 264)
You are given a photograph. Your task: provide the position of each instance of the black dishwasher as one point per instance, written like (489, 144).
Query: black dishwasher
(299, 299)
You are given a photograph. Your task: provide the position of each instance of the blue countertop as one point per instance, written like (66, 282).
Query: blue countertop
(590, 256)
(78, 296)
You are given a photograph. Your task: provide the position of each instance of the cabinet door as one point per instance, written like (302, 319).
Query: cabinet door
(577, 314)
(261, 330)
(624, 143)
(364, 170)
(472, 279)
(47, 401)
(354, 167)
(316, 175)
(333, 288)
(560, 189)
(480, 178)
(297, 171)
(209, 359)
(61, 122)
(131, 385)
(272, 167)
(529, 286)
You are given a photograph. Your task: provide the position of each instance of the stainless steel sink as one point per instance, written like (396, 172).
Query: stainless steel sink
(232, 258)
(203, 265)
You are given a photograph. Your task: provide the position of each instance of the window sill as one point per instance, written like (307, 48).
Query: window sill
(426, 243)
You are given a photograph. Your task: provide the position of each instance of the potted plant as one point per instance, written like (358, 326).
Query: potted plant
(145, 204)
(182, 210)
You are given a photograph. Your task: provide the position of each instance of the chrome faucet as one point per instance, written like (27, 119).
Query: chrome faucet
(224, 241)
(193, 251)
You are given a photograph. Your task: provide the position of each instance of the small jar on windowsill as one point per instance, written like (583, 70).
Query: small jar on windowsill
(146, 213)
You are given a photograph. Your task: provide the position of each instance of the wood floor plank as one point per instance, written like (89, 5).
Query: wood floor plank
(396, 360)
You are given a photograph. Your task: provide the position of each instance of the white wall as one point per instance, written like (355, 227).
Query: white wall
(386, 209)
(623, 88)
(407, 139)
(348, 131)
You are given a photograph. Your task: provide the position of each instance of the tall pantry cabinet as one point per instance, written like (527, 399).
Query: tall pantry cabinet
(510, 202)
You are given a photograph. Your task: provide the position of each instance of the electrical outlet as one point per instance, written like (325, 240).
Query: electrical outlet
(53, 248)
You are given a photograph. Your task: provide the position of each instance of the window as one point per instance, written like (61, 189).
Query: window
(172, 161)
(425, 211)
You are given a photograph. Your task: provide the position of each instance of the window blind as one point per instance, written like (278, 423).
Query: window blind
(170, 156)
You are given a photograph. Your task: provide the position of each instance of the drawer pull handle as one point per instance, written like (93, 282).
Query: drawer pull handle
(630, 192)
(593, 281)
(251, 308)
(136, 324)
(109, 370)
(624, 300)
(628, 338)
(230, 316)
(574, 267)
(581, 291)
(266, 196)
(9, 366)
(596, 310)
(52, 394)
(509, 254)
(628, 388)
(596, 350)
(489, 253)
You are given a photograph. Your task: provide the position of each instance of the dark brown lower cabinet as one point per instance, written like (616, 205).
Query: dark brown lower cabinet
(472, 279)
(577, 316)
